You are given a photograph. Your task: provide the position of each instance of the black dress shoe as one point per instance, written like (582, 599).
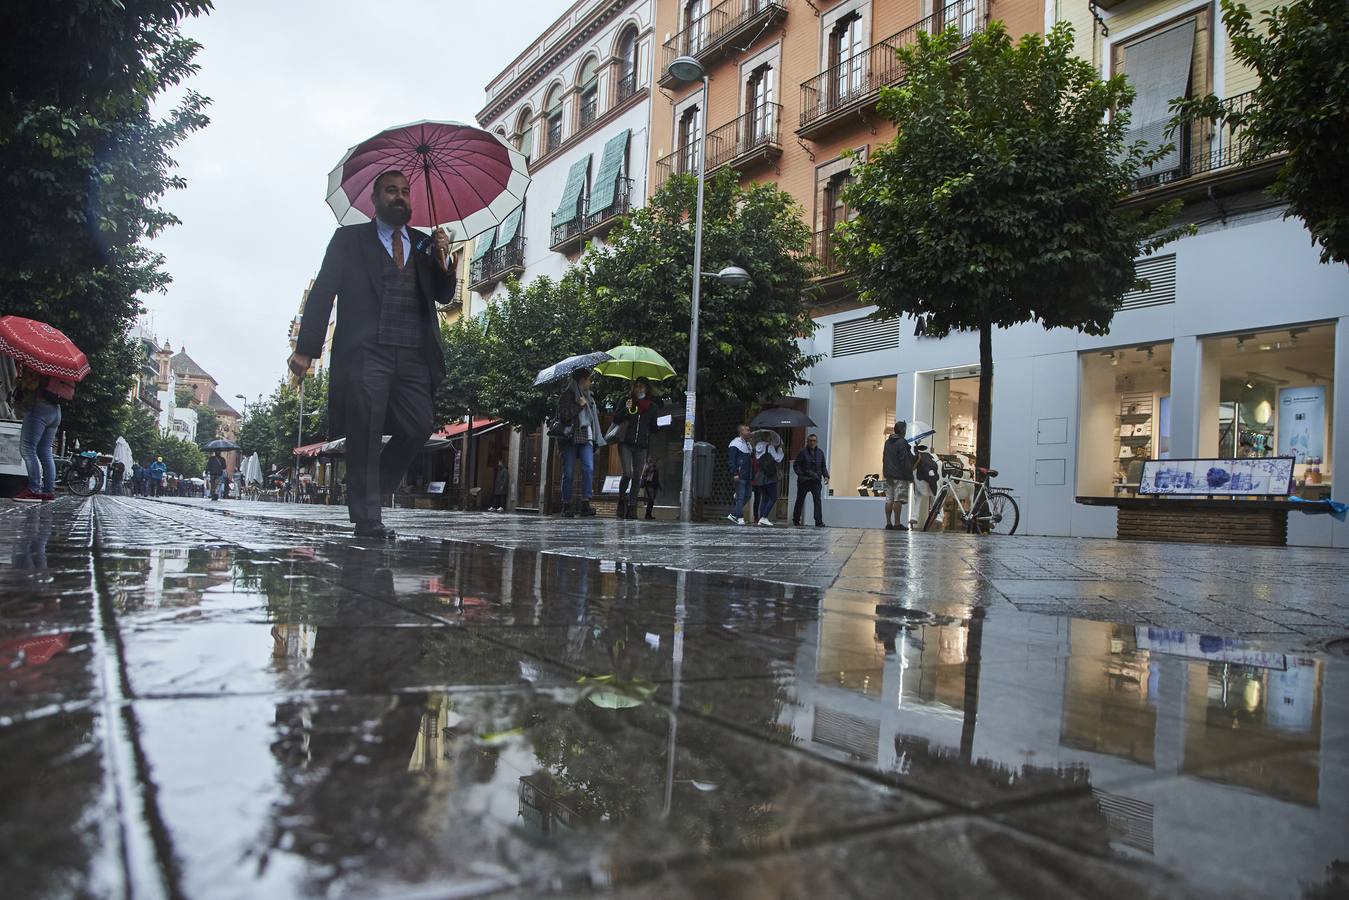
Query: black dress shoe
(379, 532)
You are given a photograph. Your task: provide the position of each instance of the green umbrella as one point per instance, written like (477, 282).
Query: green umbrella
(631, 363)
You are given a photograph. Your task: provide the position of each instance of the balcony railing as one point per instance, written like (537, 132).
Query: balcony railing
(824, 249)
(566, 235)
(627, 86)
(858, 80)
(497, 263)
(554, 139)
(596, 220)
(1201, 146)
(743, 141)
(717, 28)
(590, 107)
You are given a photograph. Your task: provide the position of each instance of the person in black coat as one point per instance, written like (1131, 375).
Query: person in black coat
(811, 474)
(636, 418)
(386, 357)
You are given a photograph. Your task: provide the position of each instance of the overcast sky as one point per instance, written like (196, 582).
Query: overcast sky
(293, 85)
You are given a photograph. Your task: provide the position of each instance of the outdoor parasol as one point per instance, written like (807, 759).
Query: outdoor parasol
(42, 348)
(559, 371)
(781, 417)
(631, 363)
(471, 179)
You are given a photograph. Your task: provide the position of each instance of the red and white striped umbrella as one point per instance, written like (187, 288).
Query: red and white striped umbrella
(470, 179)
(42, 348)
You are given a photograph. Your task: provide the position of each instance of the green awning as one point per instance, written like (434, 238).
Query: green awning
(611, 169)
(484, 244)
(510, 228)
(570, 207)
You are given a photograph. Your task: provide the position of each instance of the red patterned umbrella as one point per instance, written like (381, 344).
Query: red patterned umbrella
(471, 179)
(42, 348)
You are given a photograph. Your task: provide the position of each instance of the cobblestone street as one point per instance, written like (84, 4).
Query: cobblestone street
(234, 699)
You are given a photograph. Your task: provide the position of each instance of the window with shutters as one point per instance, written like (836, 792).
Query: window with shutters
(847, 58)
(590, 93)
(627, 65)
(1170, 62)
(553, 118)
(759, 107)
(695, 26)
(689, 123)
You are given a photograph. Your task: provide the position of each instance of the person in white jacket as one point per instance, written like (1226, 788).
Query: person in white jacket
(768, 456)
(740, 460)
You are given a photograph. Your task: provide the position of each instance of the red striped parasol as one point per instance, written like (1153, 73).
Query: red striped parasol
(42, 348)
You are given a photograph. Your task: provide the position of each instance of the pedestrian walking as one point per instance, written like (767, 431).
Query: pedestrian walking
(768, 456)
(740, 460)
(811, 474)
(386, 357)
(500, 486)
(116, 474)
(137, 476)
(577, 417)
(215, 475)
(634, 421)
(158, 471)
(897, 469)
(650, 485)
(39, 397)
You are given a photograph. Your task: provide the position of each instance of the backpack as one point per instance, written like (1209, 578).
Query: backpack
(59, 388)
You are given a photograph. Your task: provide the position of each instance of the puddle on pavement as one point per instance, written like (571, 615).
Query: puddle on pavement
(346, 720)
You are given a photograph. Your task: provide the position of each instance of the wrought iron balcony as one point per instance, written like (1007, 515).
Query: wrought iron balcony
(567, 236)
(741, 143)
(855, 83)
(823, 248)
(554, 137)
(627, 86)
(718, 30)
(598, 221)
(497, 263)
(1202, 146)
(590, 108)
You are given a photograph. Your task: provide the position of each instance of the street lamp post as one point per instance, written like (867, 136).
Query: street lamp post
(686, 69)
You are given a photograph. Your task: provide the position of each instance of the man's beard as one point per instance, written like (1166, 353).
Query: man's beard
(395, 214)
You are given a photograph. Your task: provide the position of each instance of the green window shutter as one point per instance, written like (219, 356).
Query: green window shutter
(510, 228)
(484, 244)
(570, 207)
(611, 167)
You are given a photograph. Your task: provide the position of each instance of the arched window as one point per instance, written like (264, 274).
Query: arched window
(590, 92)
(553, 113)
(627, 65)
(524, 130)
(689, 134)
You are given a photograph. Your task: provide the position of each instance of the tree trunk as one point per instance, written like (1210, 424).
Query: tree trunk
(984, 425)
(467, 465)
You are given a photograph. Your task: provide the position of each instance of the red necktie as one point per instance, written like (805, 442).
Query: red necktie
(398, 249)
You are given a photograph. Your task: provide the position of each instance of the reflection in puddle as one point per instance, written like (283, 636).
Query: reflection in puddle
(339, 719)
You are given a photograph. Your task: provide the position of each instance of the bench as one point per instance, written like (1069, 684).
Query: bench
(1207, 501)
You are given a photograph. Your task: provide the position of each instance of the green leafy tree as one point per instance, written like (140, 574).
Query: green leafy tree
(86, 163)
(469, 355)
(1300, 108)
(208, 425)
(999, 201)
(270, 429)
(639, 287)
(141, 430)
(181, 456)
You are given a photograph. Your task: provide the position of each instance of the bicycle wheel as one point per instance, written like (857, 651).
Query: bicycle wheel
(1003, 515)
(84, 485)
(934, 510)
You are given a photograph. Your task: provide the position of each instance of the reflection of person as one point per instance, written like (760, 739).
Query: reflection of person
(386, 356)
(30, 548)
(897, 468)
(811, 473)
(739, 459)
(576, 410)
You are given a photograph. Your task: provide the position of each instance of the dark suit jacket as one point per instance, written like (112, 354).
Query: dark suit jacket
(351, 270)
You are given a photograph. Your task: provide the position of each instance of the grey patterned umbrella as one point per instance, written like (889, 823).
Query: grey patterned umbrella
(558, 371)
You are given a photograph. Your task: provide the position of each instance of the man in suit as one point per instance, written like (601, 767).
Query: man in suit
(386, 357)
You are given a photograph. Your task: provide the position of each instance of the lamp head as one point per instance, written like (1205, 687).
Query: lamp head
(733, 275)
(686, 69)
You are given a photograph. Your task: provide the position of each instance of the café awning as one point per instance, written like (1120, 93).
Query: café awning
(456, 432)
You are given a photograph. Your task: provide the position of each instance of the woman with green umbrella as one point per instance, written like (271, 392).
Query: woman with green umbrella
(635, 418)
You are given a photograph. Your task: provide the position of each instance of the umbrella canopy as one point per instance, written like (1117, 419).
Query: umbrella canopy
(253, 470)
(918, 432)
(470, 178)
(767, 436)
(631, 363)
(42, 348)
(220, 445)
(781, 417)
(559, 371)
(121, 452)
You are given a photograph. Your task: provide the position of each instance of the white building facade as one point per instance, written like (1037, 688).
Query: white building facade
(577, 103)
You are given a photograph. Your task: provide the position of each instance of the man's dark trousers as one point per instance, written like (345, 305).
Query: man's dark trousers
(389, 392)
(803, 487)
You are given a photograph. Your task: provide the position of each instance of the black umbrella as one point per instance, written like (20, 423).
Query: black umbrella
(558, 371)
(221, 445)
(781, 417)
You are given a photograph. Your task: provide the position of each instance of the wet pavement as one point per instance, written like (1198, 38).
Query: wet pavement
(198, 704)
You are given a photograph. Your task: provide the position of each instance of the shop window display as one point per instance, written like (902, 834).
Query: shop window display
(862, 413)
(1123, 417)
(1269, 393)
(955, 414)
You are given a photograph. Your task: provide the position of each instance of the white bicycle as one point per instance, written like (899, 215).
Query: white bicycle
(990, 511)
